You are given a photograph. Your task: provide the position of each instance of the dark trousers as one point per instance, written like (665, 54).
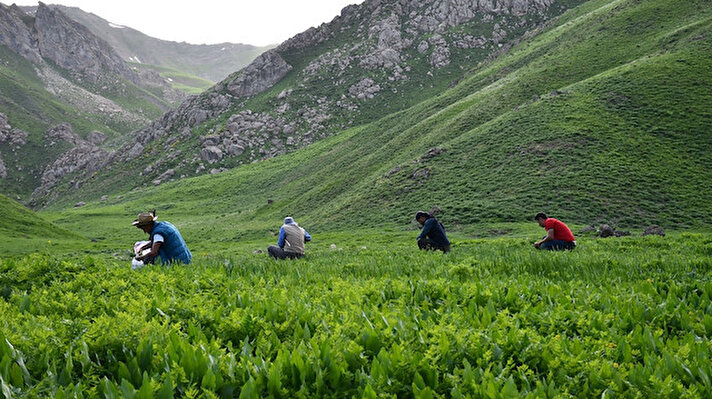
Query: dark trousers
(278, 253)
(557, 245)
(428, 245)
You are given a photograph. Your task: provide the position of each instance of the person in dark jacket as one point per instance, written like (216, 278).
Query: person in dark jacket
(433, 236)
(164, 240)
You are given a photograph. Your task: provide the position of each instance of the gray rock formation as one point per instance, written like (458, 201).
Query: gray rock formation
(96, 137)
(654, 230)
(263, 73)
(366, 88)
(11, 137)
(84, 158)
(16, 35)
(605, 231)
(49, 35)
(74, 48)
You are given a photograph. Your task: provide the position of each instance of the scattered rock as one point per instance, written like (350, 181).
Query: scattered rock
(3, 169)
(96, 137)
(433, 152)
(393, 171)
(605, 230)
(366, 88)
(211, 154)
(654, 230)
(421, 173)
(79, 204)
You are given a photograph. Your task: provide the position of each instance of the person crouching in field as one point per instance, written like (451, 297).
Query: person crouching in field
(558, 235)
(433, 236)
(164, 240)
(290, 243)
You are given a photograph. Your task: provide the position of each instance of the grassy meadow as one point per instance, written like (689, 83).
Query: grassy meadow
(372, 317)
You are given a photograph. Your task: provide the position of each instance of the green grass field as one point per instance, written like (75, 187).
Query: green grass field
(373, 317)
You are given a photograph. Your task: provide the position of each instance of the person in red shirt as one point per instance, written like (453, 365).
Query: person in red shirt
(558, 234)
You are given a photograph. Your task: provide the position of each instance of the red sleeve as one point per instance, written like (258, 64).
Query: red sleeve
(549, 224)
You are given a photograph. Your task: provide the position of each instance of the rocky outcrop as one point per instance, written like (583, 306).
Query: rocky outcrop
(3, 169)
(263, 73)
(96, 137)
(49, 35)
(654, 230)
(605, 231)
(10, 140)
(74, 48)
(9, 136)
(365, 88)
(16, 35)
(83, 159)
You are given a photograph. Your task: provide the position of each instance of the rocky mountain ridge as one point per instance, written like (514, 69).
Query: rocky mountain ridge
(213, 62)
(373, 59)
(53, 70)
(49, 35)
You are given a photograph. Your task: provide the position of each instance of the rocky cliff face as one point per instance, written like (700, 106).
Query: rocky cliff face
(16, 34)
(373, 59)
(72, 47)
(49, 35)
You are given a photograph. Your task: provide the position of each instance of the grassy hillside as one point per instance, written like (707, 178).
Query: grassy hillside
(182, 81)
(603, 118)
(23, 231)
(372, 60)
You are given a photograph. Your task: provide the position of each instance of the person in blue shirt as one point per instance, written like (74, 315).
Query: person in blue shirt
(290, 243)
(164, 240)
(433, 236)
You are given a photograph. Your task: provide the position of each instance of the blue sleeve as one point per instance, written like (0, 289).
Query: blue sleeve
(427, 226)
(280, 241)
(307, 237)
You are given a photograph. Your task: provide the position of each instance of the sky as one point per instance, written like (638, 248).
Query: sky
(256, 22)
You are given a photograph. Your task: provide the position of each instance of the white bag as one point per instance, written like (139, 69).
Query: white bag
(137, 264)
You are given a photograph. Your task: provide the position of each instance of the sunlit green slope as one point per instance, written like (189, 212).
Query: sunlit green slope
(18, 223)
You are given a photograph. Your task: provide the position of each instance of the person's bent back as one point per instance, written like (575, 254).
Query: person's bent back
(433, 236)
(291, 241)
(174, 248)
